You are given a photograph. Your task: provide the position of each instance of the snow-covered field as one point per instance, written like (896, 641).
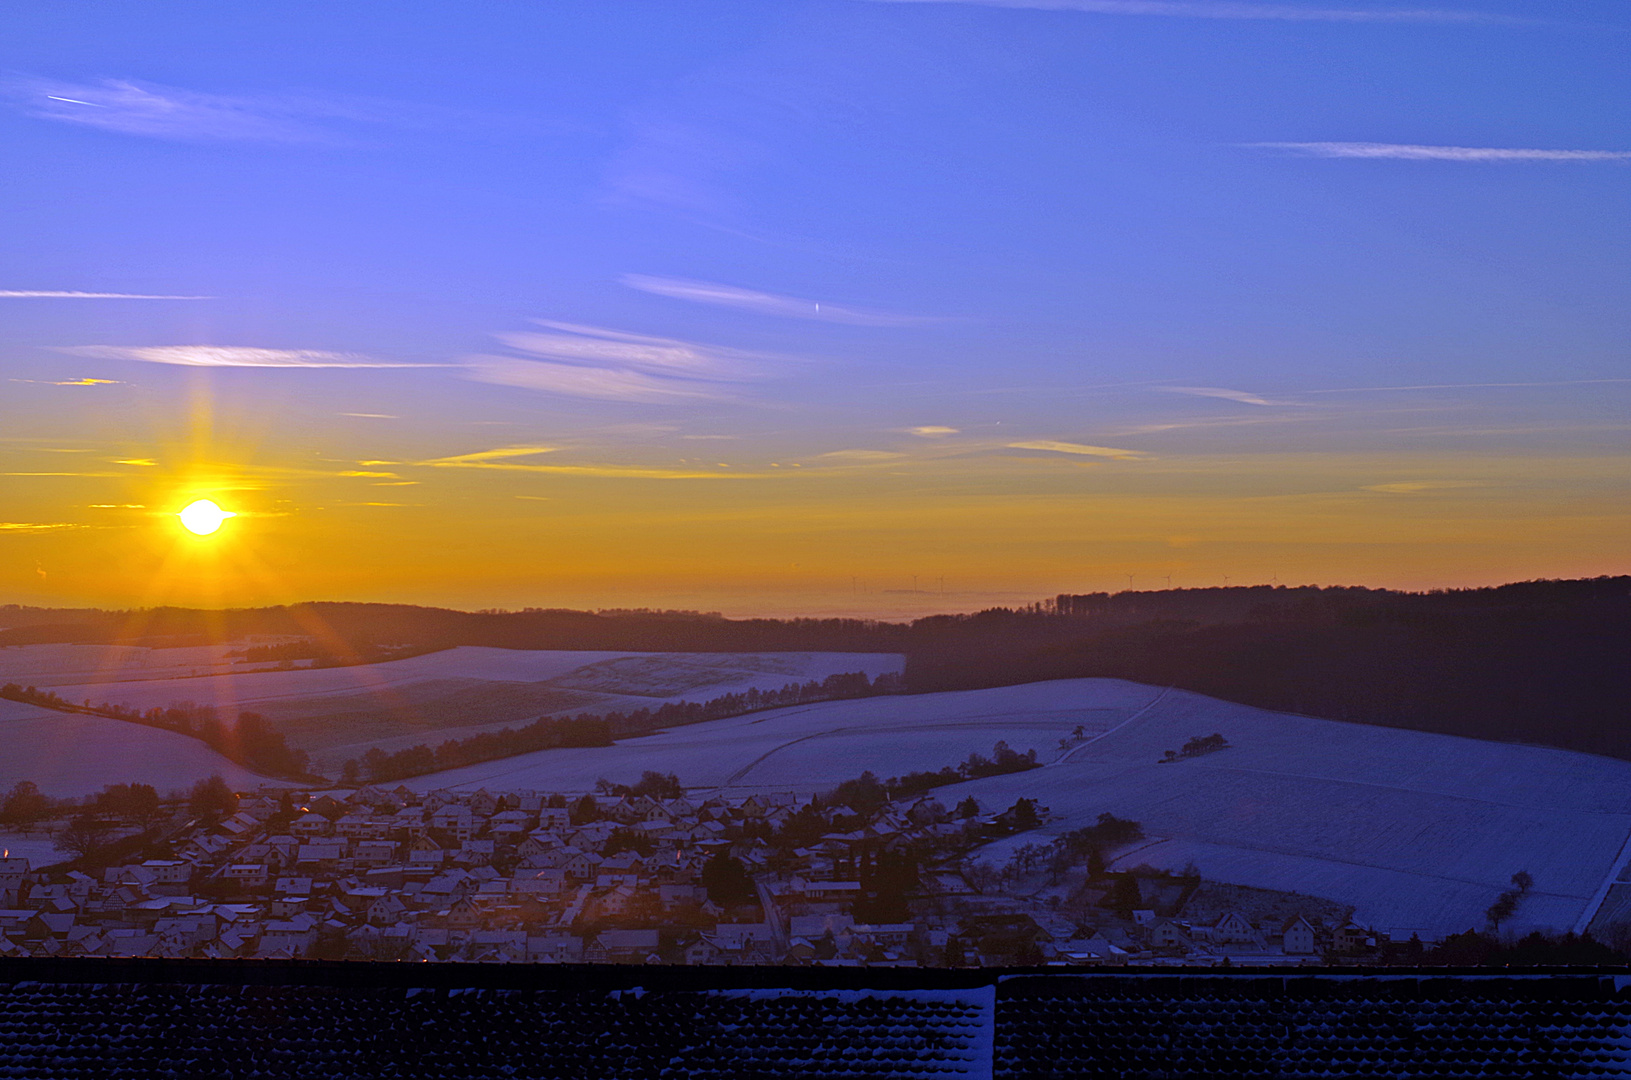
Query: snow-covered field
(61, 665)
(1419, 832)
(813, 747)
(71, 755)
(339, 713)
(38, 847)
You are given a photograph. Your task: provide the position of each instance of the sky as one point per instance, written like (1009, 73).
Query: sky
(861, 307)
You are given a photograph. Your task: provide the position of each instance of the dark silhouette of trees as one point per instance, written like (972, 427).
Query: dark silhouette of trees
(889, 880)
(1472, 949)
(727, 881)
(1536, 662)
(136, 803)
(25, 804)
(84, 835)
(549, 732)
(584, 811)
(212, 799)
(652, 784)
(250, 740)
(1507, 903)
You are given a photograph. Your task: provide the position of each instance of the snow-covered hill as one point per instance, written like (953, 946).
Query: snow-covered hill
(1420, 832)
(70, 755)
(339, 713)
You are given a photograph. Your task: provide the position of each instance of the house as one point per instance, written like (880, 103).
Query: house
(735, 937)
(248, 875)
(12, 872)
(474, 853)
(308, 826)
(509, 824)
(1349, 938)
(1232, 928)
(291, 936)
(455, 820)
(581, 866)
(1167, 935)
(554, 948)
(704, 950)
(374, 853)
(461, 914)
(169, 871)
(313, 854)
(1299, 938)
(622, 946)
(548, 882)
(423, 851)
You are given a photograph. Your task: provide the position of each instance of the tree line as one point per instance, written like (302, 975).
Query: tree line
(250, 740)
(1537, 661)
(589, 729)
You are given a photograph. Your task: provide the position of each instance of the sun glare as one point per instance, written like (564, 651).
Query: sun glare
(203, 517)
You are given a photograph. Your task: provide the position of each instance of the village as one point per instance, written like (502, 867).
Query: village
(645, 875)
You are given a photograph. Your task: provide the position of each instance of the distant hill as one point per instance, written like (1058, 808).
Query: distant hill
(1541, 662)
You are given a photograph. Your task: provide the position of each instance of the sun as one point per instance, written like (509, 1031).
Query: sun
(203, 517)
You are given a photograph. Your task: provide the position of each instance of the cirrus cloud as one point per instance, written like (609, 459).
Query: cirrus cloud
(1227, 9)
(764, 303)
(573, 360)
(1412, 152)
(1242, 396)
(233, 356)
(146, 109)
(1057, 447)
(55, 294)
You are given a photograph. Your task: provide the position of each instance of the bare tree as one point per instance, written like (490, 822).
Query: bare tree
(85, 834)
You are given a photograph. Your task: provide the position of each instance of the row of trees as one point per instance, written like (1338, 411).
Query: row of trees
(866, 793)
(587, 729)
(250, 740)
(1200, 744)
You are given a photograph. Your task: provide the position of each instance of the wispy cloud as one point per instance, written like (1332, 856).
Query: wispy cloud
(595, 346)
(861, 455)
(1467, 386)
(69, 382)
(1224, 9)
(503, 459)
(1057, 447)
(1412, 152)
(1418, 487)
(371, 415)
(603, 384)
(930, 431)
(792, 307)
(482, 456)
(1242, 396)
(50, 294)
(233, 356)
(167, 112)
(37, 526)
(612, 365)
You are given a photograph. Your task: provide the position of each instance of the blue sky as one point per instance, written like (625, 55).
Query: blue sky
(950, 252)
